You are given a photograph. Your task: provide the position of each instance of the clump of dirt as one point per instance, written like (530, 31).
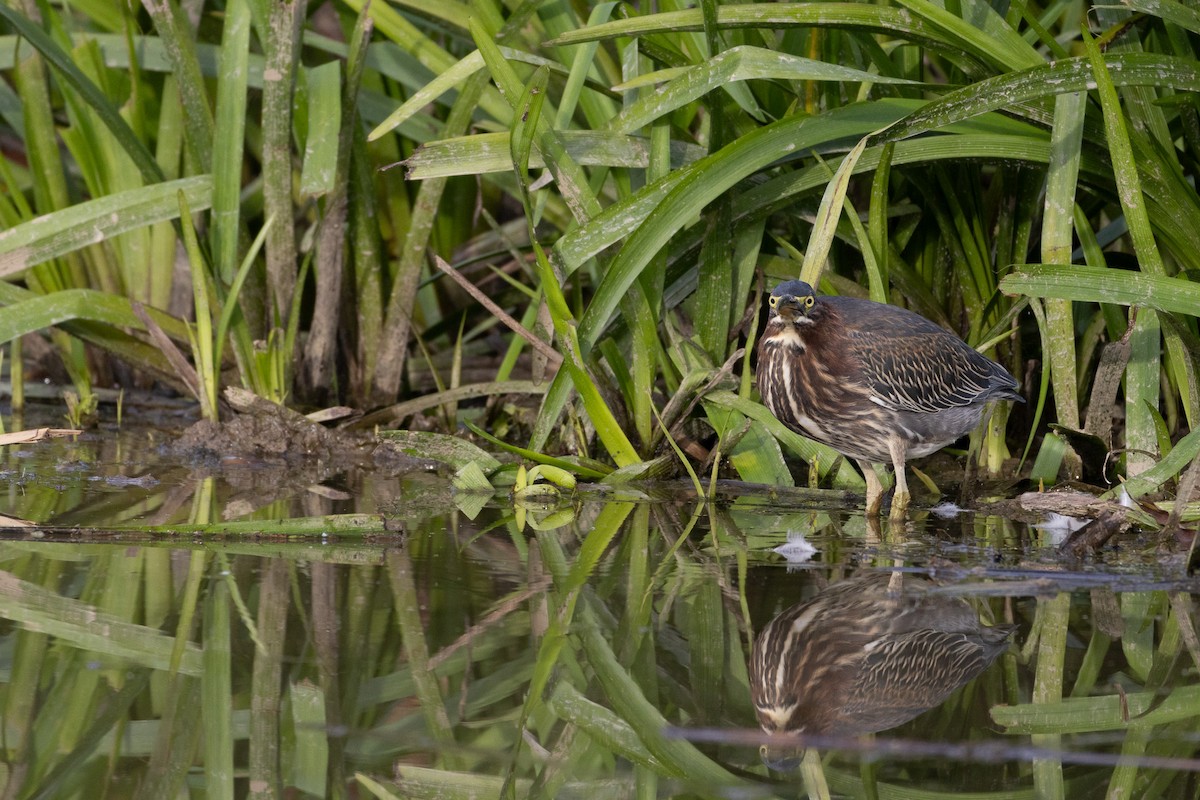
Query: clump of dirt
(267, 433)
(270, 436)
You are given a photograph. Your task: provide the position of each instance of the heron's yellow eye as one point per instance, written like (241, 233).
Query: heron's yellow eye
(773, 301)
(809, 301)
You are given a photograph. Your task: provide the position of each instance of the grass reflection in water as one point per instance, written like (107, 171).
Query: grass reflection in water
(474, 659)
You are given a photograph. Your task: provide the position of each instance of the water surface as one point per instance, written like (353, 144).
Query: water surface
(226, 628)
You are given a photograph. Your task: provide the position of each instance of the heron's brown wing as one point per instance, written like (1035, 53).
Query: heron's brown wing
(911, 364)
(907, 674)
(922, 372)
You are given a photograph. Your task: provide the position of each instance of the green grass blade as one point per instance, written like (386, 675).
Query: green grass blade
(91, 93)
(601, 725)
(179, 42)
(202, 339)
(484, 153)
(538, 458)
(980, 31)
(318, 175)
(176, 745)
(527, 124)
(389, 22)
(87, 627)
(416, 651)
(445, 81)
(1048, 688)
(43, 311)
(1057, 227)
(1142, 387)
(230, 125)
(56, 234)
(1073, 75)
(112, 713)
(597, 108)
(681, 196)
(1103, 285)
(680, 758)
(828, 214)
(230, 307)
(216, 691)
(1124, 164)
(310, 754)
(1142, 375)
(1169, 10)
(769, 16)
(608, 430)
(734, 65)
(398, 319)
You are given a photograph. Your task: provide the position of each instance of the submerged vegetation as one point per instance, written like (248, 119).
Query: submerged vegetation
(590, 202)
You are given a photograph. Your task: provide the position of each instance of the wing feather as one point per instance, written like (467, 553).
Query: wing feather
(911, 364)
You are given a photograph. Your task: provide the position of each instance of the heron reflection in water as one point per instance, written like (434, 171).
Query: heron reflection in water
(865, 655)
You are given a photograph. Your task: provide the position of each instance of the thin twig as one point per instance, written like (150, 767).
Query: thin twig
(549, 352)
(502, 609)
(399, 411)
(186, 372)
(718, 376)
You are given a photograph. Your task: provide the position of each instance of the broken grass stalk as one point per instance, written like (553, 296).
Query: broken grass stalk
(551, 355)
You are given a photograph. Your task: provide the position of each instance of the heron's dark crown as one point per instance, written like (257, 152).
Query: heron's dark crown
(792, 289)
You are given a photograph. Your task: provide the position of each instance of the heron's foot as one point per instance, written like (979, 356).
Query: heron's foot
(901, 497)
(874, 488)
(900, 502)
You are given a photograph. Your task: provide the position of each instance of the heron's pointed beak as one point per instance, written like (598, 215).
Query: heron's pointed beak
(790, 308)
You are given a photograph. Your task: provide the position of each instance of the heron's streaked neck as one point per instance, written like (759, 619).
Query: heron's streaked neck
(789, 333)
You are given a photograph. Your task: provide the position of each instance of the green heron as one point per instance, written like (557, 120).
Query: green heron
(864, 656)
(875, 382)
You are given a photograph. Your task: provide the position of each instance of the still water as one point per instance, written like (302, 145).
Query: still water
(182, 629)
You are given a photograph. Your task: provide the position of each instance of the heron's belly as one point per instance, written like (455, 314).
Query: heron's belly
(855, 436)
(867, 437)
